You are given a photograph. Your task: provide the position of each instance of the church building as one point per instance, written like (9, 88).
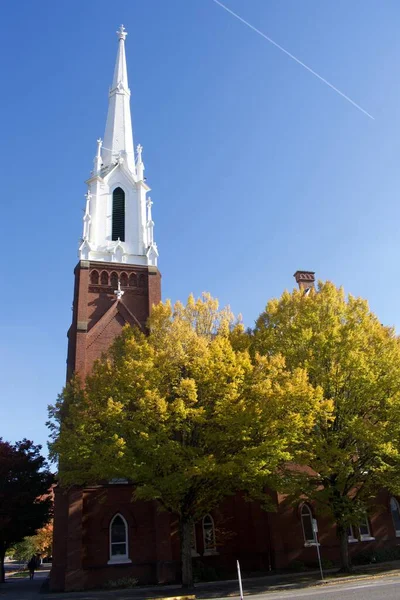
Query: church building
(100, 535)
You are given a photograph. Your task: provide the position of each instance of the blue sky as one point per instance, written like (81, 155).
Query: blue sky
(257, 168)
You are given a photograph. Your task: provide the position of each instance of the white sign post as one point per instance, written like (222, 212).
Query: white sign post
(315, 530)
(240, 580)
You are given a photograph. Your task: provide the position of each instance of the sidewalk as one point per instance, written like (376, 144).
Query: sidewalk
(21, 588)
(223, 589)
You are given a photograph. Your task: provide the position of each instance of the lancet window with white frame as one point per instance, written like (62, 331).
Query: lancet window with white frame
(119, 543)
(351, 537)
(395, 510)
(364, 529)
(307, 525)
(209, 535)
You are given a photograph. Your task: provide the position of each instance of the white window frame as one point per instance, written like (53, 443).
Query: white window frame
(213, 550)
(119, 559)
(307, 542)
(350, 535)
(397, 507)
(365, 537)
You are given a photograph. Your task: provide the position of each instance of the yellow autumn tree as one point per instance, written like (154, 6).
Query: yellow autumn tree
(185, 414)
(43, 540)
(355, 360)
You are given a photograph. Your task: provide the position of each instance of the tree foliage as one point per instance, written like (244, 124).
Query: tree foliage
(185, 414)
(25, 502)
(355, 360)
(39, 544)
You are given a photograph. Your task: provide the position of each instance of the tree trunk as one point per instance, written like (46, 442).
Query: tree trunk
(186, 553)
(344, 550)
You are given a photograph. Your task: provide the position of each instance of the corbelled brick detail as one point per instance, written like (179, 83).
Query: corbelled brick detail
(94, 301)
(305, 279)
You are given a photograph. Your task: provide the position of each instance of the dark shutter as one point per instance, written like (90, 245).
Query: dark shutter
(118, 215)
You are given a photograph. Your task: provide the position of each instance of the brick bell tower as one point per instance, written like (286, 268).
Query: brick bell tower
(116, 282)
(116, 279)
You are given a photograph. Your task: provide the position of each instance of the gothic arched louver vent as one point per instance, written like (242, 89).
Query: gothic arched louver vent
(118, 215)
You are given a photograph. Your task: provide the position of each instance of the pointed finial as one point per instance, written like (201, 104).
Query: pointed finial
(118, 292)
(149, 202)
(122, 33)
(88, 195)
(139, 150)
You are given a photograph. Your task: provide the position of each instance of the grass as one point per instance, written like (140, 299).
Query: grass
(18, 574)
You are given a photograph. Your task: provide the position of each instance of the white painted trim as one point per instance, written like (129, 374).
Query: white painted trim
(125, 561)
(118, 558)
(365, 536)
(213, 550)
(351, 539)
(307, 542)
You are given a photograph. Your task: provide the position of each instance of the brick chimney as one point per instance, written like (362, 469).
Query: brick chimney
(305, 279)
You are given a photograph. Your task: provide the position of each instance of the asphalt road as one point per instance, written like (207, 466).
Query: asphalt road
(387, 588)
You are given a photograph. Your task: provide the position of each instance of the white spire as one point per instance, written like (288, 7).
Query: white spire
(118, 138)
(117, 225)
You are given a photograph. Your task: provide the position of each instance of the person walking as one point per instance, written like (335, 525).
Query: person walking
(32, 566)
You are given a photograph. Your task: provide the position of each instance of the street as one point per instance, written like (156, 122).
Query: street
(382, 588)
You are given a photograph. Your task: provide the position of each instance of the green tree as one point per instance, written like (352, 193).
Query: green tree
(355, 360)
(39, 544)
(184, 415)
(25, 502)
(23, 550)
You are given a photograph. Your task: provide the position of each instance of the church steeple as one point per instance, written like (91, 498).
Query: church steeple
(116, 223)
(118, 138)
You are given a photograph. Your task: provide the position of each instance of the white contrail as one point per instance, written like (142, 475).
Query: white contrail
(335, 89)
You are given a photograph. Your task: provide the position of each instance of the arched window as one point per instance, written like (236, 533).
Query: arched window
(142, 281)
(119, 540)
(364, 528)
(351, 537)
(133, 280)
(114, 280)
(395, 510)
(118, 215)
(104, 278)
(307, 524)
(94, 277)
(209, 535)
(123, 280)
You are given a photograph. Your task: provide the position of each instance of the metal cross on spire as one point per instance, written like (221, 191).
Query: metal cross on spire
(122, 33)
